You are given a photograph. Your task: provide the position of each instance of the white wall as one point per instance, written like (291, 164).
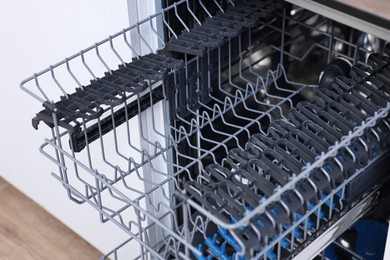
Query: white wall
(33, 35)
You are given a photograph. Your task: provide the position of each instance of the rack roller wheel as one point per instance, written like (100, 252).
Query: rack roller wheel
(338, 67)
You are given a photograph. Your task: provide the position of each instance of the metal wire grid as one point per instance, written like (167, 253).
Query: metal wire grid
(132, 183)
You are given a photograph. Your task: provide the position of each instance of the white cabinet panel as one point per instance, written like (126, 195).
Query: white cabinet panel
(33, 35)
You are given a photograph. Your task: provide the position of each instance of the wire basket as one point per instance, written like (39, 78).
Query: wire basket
(204, 145)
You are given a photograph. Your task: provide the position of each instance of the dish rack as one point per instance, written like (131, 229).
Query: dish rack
(213, 138)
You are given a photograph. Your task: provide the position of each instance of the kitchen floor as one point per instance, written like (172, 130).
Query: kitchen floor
(27, 231)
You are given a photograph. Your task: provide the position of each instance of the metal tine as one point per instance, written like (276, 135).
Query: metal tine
(122, 178)
(101, 59)
(155, 170)
(220, 87)
(204, 8)
(62, 154)
(241, 60)
(129, 45)
(221, 132)
(182, 170)
(165, 97)
(228, 103)
(314, 27)
(192, 13)
(35, 78)
(263, 83)
(193, 124)
(103, 151)
(179, 18)
(86, 65)
(57, 162)
(217, 144)
(103, 154)
(87, 146)
(115, 137)
(58, 141)
(57, 83)
(206, 119)
(282, 69)
(128, 131)
(261, 113)
(114, 51)
(142, 38)
(217, 113)
(152, 111)
(232, 3)
(230, 65)
(199, 224)
(141, 128)
(216, 109)
(76, 168)
(122, 224)
(238, 97)
(158, 186)
(238, 89)
(168, 26)
(253, 91)
(184, 135)
(219, 6)
(72, 75)
(274, 75)
(160, 39)
(23, 83)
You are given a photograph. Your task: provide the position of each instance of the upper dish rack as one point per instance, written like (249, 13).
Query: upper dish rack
(205, 145)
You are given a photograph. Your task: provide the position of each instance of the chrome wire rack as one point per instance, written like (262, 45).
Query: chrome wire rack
(219, 141)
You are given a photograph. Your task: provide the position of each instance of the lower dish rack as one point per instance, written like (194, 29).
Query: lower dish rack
(210, 147)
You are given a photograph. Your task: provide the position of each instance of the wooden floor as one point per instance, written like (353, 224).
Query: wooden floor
(29, 232)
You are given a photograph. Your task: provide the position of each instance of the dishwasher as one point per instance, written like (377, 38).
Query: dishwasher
(226, 129)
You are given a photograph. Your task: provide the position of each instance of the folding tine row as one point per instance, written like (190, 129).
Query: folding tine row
(203, 41)
(111, 90)
(224, 25)
(248, 177)
(132, 78)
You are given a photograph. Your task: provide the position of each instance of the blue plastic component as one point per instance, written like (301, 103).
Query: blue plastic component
(229, 238)
(259, 223)
(334, 204)
(330, 168)
(341, 158)
(284, 243)
(219, 252)
(297, 232)
(322, 214)
(310, 224)
(234, 220)
(274, 211)
(248, 208)
(339, 194)
(271, 255)
(200, 257)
